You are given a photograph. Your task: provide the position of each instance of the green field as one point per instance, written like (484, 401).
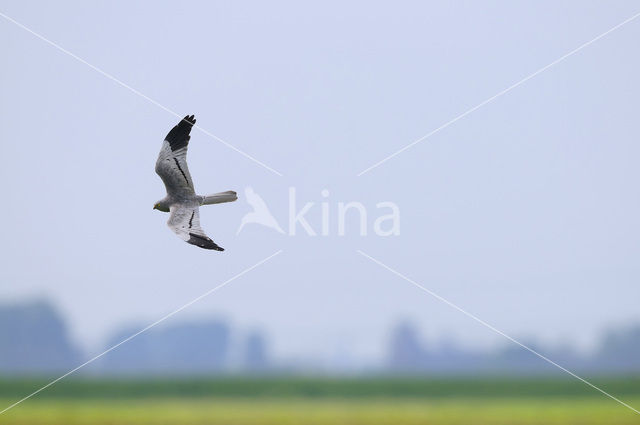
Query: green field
(265, 401)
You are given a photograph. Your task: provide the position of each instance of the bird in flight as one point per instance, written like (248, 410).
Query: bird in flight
(181, 201)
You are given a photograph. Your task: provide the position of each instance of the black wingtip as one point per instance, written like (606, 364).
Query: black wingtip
(189, 120)
(178, 137)
(203, 242)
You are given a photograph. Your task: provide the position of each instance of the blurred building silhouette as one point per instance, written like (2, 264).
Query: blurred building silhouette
(182, 348)
(34, 340)
(405, 349)
(619, 350)
(408, 353)
(255, 352)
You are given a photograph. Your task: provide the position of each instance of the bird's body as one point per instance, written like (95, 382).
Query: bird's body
(181, 201)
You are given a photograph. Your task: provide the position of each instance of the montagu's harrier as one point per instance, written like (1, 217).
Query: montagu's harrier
(181, 200)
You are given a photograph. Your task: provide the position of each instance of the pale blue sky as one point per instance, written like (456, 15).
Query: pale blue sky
(524, 212)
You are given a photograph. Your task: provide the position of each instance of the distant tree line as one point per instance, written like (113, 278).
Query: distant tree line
(34, 340)
(618, 351)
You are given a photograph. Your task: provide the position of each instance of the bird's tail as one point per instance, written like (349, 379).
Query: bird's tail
(219, 198)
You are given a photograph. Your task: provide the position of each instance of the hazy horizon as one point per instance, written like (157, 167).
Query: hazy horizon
(216, 345)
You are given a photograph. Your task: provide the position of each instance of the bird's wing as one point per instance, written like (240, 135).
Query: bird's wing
(171, 165)
(185, 222)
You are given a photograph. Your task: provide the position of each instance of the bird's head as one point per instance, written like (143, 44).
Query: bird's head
(161, 206)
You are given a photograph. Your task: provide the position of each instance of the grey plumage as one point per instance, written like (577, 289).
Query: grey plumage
(181, 201)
